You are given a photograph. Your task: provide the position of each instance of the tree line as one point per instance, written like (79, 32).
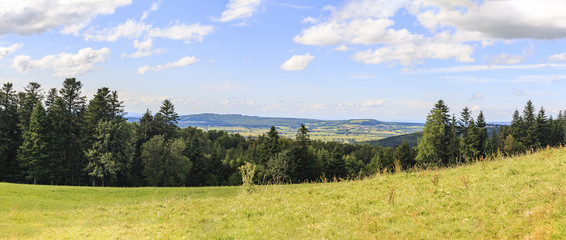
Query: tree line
(60, 137)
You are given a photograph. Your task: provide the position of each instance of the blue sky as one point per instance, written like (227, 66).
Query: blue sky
(381, 59)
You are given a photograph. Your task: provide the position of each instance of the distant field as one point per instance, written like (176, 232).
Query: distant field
(512, 198)
(347, 131)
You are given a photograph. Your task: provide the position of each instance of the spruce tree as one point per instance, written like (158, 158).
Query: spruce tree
(31, 96)
(483, 134)
(543, 133)
(74, 108)
(111, 151)
(32, 154)
(530, 139)
(10, 134)
(166, 120)
(429, 145)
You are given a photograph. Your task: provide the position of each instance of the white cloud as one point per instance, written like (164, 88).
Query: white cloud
(561, 57)
(409, 53)
(297, 62)
(27, 17)
(368, 22)
(144, 49)
(186, 61)
(63, 64)
(131, 29)
(153, 8)
(505, 59)
(310, 20)
(239, 9)
(476, 96)
(295, 6)
(183, 32)
(458, 27)
(517, 19)
(10, 49)
(342, 48)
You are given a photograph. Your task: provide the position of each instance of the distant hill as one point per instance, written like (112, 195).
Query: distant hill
(354, 130)
(413, 138)
(397, 140)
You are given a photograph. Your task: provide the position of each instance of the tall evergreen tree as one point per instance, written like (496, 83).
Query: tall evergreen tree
(530, 139)
(166, 119)
(10, 134)
(74, 108)
(336, 167)
(304, 164)
(32, 154)
(482, 135)
(31, 96)
(56, 138)
(111, 151)
(429, 148)
(543, 133)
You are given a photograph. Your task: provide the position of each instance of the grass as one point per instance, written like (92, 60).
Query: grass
(512, 198)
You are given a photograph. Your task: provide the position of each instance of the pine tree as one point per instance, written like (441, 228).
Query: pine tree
(111, 151)
(483, 135)
(530, 139)
(304, 164)
(56, 133)
(543, 133)
(166, 120)
(404, 153)
(27, 101)
(517, 127)
(429, 146)
(32, 154)
(336, 166)
(74, 108)
(10, 134)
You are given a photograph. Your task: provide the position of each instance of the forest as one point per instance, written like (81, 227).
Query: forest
(59, 137)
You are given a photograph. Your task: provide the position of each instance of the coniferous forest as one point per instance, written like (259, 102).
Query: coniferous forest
(60, 137)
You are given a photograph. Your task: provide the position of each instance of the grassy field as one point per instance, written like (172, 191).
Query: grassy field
(512, 198)
(345, 133)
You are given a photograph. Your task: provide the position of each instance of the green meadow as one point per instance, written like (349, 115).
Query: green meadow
(509, 198)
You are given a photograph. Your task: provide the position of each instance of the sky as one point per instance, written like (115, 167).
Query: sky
(389, 60)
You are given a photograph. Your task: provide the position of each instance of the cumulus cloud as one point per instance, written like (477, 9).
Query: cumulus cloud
(183, 32)
(342, 48)
(310, 20)
(27, 17)
(368, 22)
(144, 49)
(10, 49)
(186, 61)
(561, 57)
(409, 53)
(456, 27)
(297, 62)
(517, 19)
(131, 29)
(63, 64)
(505, 59)
(239, 9)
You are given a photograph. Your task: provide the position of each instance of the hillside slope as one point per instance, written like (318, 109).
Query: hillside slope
(522, 197)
